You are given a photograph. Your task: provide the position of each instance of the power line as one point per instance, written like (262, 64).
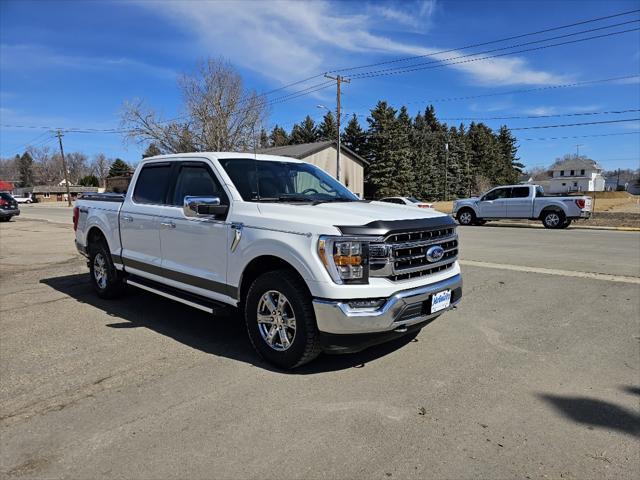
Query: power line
(522, 117)
(583, 136)
(381, 71)
(470, 60)
(576, 124)
(485, 43)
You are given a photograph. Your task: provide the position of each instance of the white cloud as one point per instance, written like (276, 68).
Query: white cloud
(28, 56)
(287, 40)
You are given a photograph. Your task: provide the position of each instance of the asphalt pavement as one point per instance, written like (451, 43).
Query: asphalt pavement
(535, 375)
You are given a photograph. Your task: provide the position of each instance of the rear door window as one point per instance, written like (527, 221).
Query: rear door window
(519, 192)
(152, 184)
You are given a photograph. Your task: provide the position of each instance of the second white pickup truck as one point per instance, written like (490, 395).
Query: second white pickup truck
(310, 266)
(522, 201)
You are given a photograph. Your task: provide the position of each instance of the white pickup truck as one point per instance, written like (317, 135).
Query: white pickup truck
(310, 266)
(522, 201)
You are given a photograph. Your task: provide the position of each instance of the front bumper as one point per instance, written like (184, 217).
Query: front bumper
(403, 309)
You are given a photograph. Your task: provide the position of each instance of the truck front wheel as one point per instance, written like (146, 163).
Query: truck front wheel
(466, 216)
(280, 320)
(105, 279)
(553, 219)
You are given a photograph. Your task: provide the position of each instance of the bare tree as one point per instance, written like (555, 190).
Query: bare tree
(220, 114)
(100, 167)
(48, 167)
(77, 166)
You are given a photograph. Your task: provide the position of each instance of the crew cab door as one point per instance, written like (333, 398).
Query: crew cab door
(194, 249)
(140, 217)
(520, 202)
(493, 204)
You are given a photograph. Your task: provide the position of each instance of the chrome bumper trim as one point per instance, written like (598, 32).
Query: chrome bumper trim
(335, 316)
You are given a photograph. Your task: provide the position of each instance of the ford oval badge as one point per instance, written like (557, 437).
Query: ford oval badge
(435, 253)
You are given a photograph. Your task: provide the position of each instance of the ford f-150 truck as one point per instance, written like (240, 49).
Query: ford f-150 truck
(522, 201)
(310, 265)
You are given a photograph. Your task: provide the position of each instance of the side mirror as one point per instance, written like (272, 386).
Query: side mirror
(203, 207)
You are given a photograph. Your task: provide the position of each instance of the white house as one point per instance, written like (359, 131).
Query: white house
(576, 175)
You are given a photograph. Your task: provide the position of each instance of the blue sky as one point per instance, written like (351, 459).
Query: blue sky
(73, 64)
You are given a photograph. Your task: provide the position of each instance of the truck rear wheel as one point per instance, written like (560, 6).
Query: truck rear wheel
(466, 216)
(105, 279)
(553, 219)
(280, 320)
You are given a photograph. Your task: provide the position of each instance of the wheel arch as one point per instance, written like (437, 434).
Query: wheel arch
(95, 234)
(263, 264)
(551, 208)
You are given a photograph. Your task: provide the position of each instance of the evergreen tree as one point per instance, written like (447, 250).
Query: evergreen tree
(25, 169)
(328, 129)
(119, 168)
(510, 168)
(387, 151)
(89, 181)
(353, 137)
(151, 151)
(263, 141)
(278, 137)
(484, 156)
(306, 132)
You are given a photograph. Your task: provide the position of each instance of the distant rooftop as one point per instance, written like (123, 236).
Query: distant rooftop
(304, 150)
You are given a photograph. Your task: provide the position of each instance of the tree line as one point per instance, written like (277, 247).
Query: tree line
(43, 166)
(419, 156)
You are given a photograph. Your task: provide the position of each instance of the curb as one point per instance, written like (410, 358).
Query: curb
(572, 227)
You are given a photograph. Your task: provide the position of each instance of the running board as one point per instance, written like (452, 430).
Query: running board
(186, 298)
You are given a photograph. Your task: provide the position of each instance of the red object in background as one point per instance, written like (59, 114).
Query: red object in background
(6, 186)
(3, 202)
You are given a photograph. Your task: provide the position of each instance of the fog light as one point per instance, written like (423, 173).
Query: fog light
(366, 303)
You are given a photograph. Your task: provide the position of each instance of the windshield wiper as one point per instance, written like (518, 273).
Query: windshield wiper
(331, 200)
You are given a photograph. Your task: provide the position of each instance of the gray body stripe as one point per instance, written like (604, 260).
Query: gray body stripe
(192, 280)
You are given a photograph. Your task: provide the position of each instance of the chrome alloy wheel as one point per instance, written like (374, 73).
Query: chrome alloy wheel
(553, 219)
(100, 271)
(276, 320)
(465, 218)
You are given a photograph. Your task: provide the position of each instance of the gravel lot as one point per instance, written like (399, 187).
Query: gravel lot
(536, 375)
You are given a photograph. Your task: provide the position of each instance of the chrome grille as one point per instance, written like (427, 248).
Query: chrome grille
(403, 254)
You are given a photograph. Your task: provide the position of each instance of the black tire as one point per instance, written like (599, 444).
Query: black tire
(553, 219)
(466, 216)
(303, 337)
(105, 279)
(5, 219)
(567, 222)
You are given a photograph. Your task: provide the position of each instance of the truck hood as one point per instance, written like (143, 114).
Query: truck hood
(347, 213)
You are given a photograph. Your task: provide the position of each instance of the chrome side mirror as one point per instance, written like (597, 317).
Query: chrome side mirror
(203, 207)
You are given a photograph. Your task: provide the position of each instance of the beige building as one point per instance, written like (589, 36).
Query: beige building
(323, 155)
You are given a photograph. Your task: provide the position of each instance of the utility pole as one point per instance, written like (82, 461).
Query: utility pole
(339, 79)
(578, 149)
(64, 167)
(618, 180)
(446, 170)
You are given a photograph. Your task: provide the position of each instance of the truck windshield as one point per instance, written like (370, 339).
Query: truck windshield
(271, 181)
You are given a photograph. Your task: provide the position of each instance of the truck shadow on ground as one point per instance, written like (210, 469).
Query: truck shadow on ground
(598, 413)
(222, 335)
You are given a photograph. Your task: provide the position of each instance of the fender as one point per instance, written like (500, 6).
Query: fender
(257, 247)
(99, 220)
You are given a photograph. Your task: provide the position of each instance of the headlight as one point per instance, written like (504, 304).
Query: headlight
(346, 259)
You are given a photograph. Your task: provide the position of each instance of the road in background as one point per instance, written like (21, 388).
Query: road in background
(533, 376)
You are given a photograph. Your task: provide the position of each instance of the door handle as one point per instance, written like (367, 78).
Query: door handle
(127, 218)
(167, 225)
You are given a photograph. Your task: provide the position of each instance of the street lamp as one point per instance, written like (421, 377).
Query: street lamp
(338, 155)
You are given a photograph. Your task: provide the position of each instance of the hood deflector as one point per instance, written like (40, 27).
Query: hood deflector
(384, 227)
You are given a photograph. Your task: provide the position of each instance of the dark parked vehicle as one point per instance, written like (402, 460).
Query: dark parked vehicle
(8, 207)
